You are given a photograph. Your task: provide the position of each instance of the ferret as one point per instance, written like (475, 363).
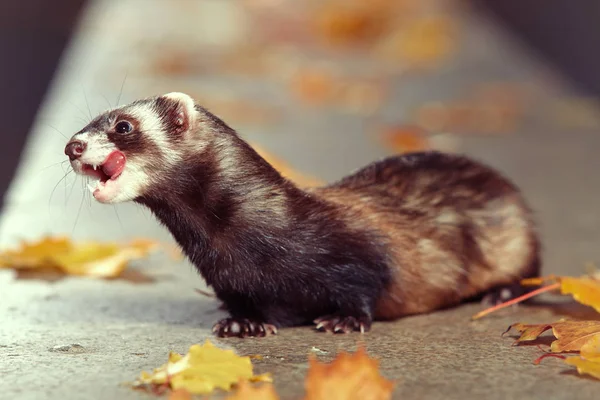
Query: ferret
(405, 235)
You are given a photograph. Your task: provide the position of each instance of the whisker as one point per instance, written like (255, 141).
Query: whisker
(58, 183)
(118, 217)
(54, 165)
(121, 91)
(78, 212)
(59, 132)
(87, 103)
(85, 122)
(110, 107)
(67, 198)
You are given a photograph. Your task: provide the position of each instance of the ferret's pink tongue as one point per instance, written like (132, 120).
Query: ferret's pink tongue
(114, 164)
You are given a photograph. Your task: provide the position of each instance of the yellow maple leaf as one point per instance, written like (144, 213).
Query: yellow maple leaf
(35, 254)
(585, 366)
(246, 391)
(588, 361)
(348, 377)
(95, 259)
(585, 290)
(201, 371)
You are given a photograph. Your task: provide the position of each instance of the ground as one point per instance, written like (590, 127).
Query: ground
(124, 327)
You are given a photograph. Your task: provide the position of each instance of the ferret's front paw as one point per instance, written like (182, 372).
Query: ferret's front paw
(340, 324)
(232, 327)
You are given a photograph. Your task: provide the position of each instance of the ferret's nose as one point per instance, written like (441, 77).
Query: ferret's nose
(74, 149)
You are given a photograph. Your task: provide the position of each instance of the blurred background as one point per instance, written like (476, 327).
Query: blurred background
(321, 86)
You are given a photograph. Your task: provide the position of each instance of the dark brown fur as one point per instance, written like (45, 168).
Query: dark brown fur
(405, 235)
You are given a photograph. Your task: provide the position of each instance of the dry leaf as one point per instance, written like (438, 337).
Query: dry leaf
(314, 86)
(589, 360)
(585, 366)
(59, 254)
(584, 290)
(405, 139)
(347, 22)
(348, 377)
(422, 43)
(201, 371)
(246, 391)
(591, 349)
(180, 394)
(570, 335)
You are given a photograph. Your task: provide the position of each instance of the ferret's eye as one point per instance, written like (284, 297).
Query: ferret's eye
(123, 127)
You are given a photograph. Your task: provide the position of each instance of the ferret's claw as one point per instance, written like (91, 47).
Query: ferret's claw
(242, 328)
(339, 324)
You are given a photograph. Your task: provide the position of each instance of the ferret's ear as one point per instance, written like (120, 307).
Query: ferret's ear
(178, 111)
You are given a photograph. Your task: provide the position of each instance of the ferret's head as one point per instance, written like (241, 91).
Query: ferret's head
(128, 148)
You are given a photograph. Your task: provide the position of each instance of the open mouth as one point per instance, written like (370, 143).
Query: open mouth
(110, 170)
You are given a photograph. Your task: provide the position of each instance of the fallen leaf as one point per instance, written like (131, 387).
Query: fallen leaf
(405, 139)
(570, 335)
(351, 23)
(348, 377)
(585, 366)
(591, 349)
(314, 86)
(246, 391)
(61, 255)
(180, 394)
(35, 255)
(588, 361)
(529, 332)
(584, 290)
(201, 371)
(422, 42)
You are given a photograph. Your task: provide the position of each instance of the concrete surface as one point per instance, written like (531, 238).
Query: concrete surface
(126, 327)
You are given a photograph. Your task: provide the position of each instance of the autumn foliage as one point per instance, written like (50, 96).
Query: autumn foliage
(62, 255)
(572, 336)
(207, 368)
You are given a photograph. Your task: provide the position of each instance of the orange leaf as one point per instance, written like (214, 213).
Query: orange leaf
(570, 335)
(348, 377)
(246, 391)
(180, 394)
(584, 290)
(529, 332)
(422, 42)
(405, 139)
